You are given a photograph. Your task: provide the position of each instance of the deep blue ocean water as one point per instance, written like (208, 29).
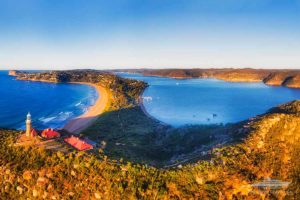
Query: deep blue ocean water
(194, 101)
(51, 105)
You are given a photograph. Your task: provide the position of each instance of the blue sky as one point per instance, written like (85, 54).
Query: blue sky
(64, 34)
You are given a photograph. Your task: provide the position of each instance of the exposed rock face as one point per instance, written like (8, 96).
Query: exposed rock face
(12, 73)
(292, 82)
(275, 79)
(289, 79)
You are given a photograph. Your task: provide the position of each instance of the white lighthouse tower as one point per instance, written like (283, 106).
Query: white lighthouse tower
(28, 125)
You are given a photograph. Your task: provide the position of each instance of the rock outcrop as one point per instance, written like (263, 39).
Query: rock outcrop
(292, 81)
(12, 73)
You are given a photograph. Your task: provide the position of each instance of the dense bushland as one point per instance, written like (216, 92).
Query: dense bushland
(271, 150)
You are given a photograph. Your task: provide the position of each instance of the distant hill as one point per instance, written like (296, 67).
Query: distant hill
(287, 78)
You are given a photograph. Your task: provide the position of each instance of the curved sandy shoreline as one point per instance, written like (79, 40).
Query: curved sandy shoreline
(82, 122)
(143, 108)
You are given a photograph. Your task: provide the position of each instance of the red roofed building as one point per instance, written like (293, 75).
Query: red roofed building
(78, 143)
(50, 133)
(33, 132)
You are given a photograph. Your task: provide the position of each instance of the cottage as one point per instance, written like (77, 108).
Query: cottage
(77, 143)
(50, 133)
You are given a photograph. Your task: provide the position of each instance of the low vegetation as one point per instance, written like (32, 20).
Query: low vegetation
(271, 150)
(125, 132)
(266, 147)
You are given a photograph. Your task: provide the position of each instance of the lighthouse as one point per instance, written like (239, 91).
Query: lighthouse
(28, 125)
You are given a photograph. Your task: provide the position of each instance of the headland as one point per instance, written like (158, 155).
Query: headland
(114, 92)
(126, 131)
(225, 161)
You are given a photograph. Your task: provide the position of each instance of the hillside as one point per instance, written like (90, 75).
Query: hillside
(125, 132)
(124, 92)
(271, 149)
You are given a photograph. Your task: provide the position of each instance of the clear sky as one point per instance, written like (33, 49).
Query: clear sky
(65, 34)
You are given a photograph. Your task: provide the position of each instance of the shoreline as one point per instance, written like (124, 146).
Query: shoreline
(78, 124)
(142, 106)
(83, 121)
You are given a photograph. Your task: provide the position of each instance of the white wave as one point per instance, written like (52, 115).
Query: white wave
(78, 104)
(46, 120)
(62, 116)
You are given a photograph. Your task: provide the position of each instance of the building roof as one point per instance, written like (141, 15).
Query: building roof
(78, 143)
(91, 142)
(33, 132)
(50, 133)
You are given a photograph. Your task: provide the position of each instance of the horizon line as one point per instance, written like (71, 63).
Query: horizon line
(142, 68)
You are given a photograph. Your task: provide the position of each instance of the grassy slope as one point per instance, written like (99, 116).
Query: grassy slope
(129, 134)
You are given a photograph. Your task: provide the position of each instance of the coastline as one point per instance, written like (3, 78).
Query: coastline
(142, 106)
(83, 121)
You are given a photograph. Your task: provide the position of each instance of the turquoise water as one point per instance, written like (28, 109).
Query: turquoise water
(51, 105)
(194, 101)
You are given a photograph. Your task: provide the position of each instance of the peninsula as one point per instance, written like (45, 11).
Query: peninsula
(119, 122)
(114, 92)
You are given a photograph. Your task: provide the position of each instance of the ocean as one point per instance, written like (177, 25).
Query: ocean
(208, 101)
(51, 105)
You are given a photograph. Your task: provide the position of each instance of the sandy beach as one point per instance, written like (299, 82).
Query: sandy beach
(82, 122)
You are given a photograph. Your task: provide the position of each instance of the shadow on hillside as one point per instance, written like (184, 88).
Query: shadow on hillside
(130, 134)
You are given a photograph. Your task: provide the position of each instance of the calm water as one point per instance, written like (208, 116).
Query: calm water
(194, 101)
(51, 105)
